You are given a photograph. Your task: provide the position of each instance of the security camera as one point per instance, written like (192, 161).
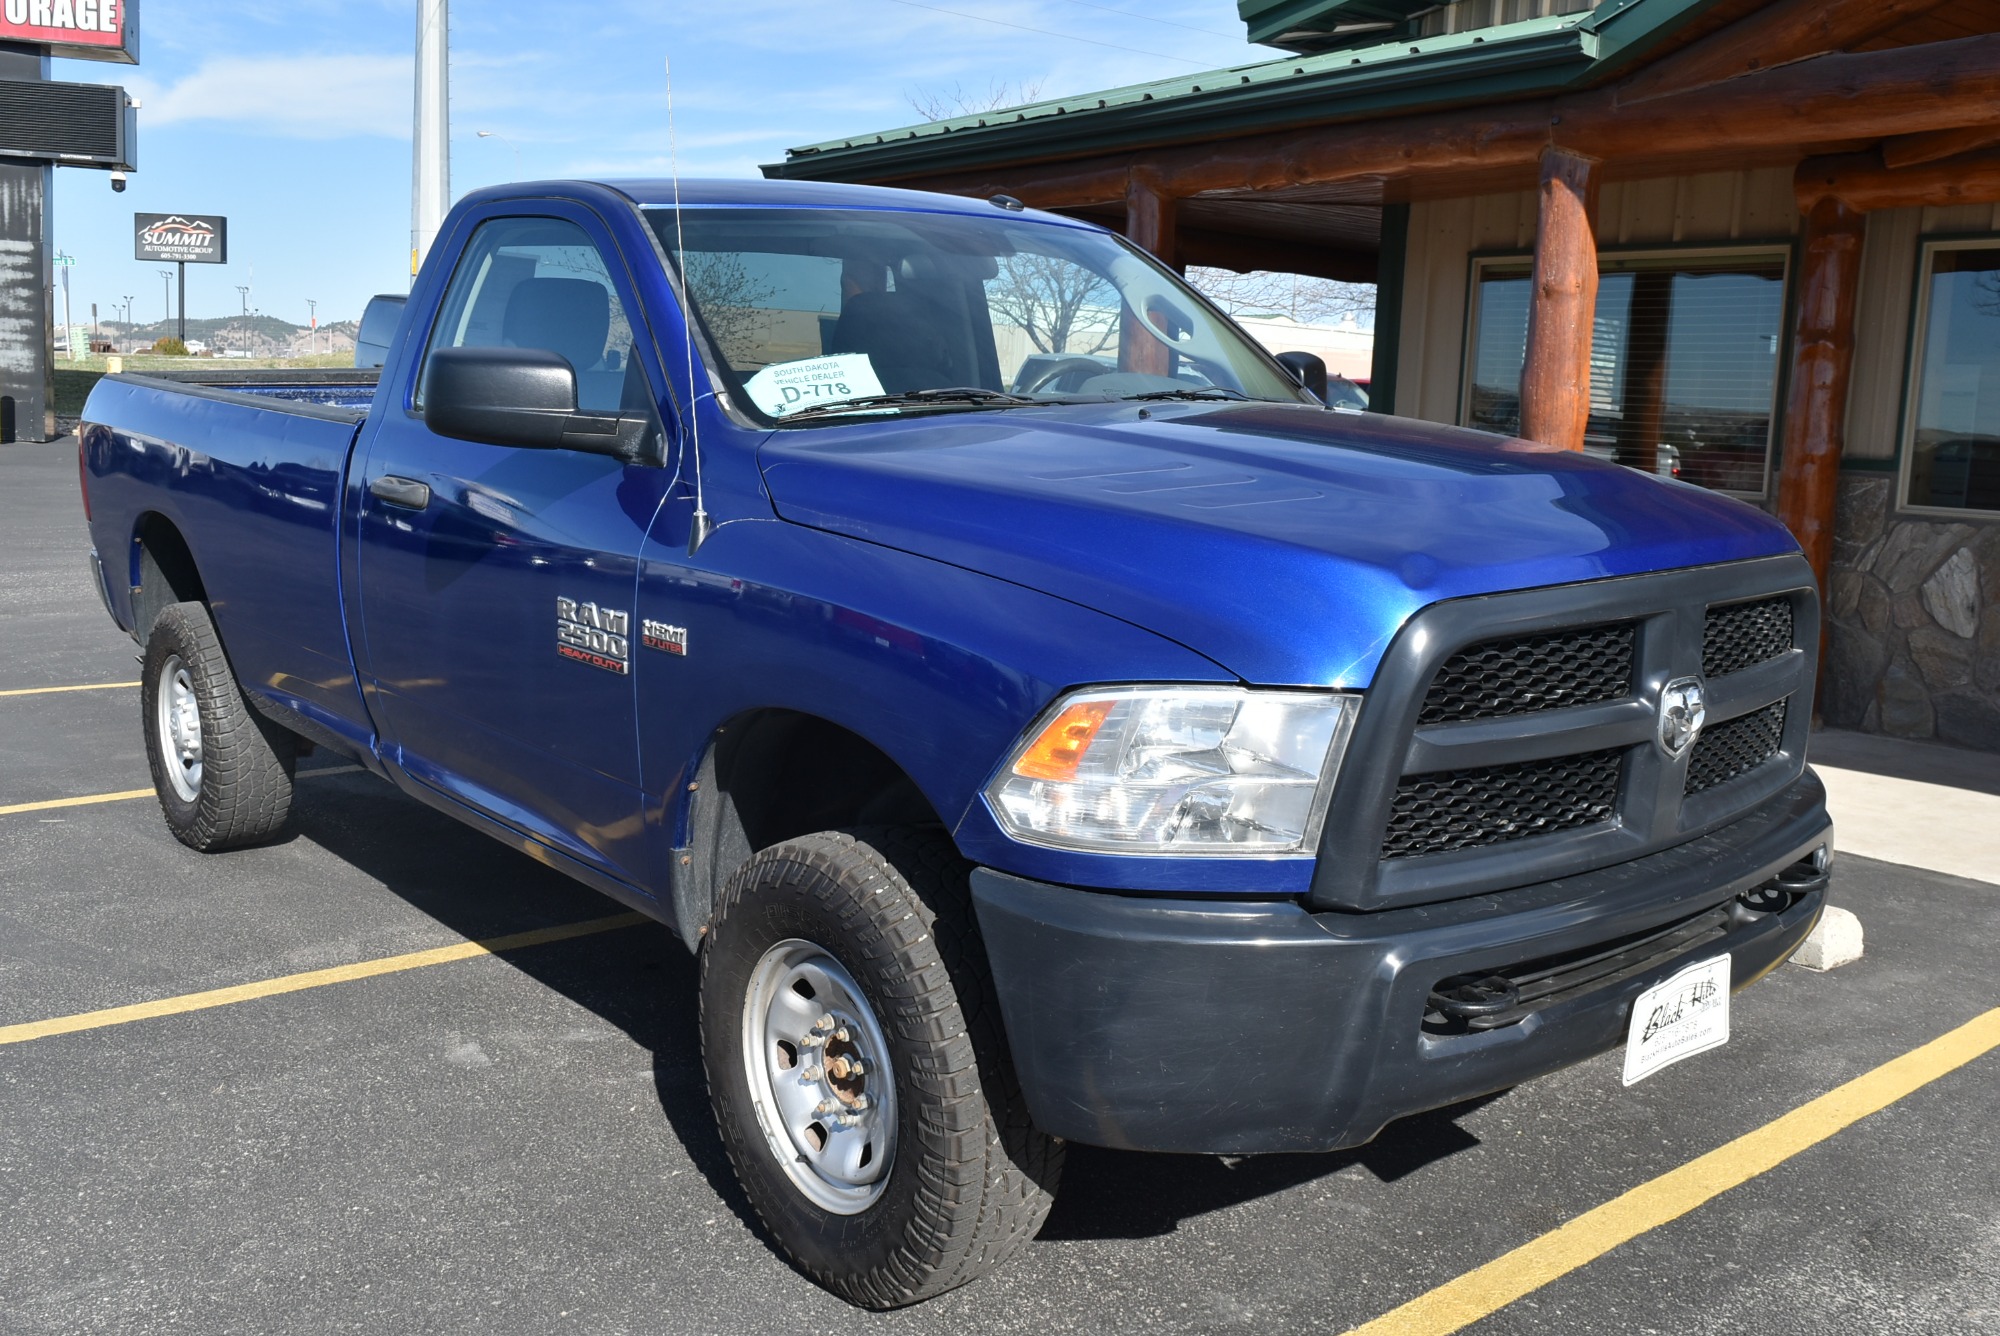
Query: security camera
(118, 182)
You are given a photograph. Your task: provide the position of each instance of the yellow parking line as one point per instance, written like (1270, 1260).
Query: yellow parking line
(86, 800)
(293, 983)
(46, 691)
(126, 795)
(1476, 1294)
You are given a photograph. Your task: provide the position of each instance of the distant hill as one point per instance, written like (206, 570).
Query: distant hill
(260, 335)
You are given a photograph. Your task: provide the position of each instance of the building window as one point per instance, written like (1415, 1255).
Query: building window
(1952, 438)
(1683, 360)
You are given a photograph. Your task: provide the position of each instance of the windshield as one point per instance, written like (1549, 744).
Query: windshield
(823, 312)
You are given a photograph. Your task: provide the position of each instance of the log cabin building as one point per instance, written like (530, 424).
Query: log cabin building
(1756, 242)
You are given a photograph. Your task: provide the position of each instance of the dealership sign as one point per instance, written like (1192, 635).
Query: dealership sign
(190, 238)
(79, 29)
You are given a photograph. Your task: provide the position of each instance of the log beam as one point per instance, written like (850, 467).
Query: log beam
(1822, 358)
(1915, 150)
(1864, 96)
(1864, 183)
(1776, 35)
(1555, 375)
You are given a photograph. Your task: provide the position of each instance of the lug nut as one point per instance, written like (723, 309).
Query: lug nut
(842, 1035)
(825, 1107)
(811, 1073)
(825, 1022)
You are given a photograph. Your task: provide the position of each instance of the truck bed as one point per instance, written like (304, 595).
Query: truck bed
(247, 469)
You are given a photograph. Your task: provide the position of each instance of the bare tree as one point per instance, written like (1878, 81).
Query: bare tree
(942, 104)
(1310, 301)
(732, 303)
(1061, 306)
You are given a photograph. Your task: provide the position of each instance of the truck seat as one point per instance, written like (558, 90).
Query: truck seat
(902, 334)
(571, 316)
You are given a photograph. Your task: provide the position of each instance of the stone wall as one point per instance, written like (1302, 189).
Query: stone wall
(1914, 643)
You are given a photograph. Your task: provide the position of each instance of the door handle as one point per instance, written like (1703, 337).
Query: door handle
(405, 492)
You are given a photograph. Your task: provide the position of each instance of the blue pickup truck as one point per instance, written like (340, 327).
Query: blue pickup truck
(1046, 719)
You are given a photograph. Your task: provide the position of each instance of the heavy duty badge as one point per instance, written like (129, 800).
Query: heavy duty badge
(600, 637)
(663, 636)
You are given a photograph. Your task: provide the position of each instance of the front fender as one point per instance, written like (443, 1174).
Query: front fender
(939, 667)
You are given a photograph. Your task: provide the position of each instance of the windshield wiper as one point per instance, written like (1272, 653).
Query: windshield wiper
(954, 394)
(1191, 392)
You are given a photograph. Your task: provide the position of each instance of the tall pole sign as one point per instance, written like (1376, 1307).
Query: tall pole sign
(185, 239)
(76, 29)
(41, 124)
(430, 157)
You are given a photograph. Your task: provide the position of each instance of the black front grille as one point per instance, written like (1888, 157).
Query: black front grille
(1546, 672)
(1464, 809)
(1738, 635)
(1735, 747)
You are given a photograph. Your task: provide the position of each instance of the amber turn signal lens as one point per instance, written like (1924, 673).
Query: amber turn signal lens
(1058, 750)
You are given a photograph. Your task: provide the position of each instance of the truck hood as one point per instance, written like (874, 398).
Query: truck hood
(1288, 544)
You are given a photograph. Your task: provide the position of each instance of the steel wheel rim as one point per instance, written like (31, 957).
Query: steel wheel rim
(178, 724)
(820, 1079)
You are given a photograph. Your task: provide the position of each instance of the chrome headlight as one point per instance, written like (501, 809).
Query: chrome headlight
(1215, 771)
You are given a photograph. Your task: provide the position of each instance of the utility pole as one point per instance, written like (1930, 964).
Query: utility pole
(430, 158)
(66, 262)
(166, 292)
(312, 334)
(128, 316)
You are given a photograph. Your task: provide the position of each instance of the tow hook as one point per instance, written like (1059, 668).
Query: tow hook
(1468, 998)
(1811, 873)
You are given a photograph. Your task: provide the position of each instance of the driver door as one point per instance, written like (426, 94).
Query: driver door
(497, 582)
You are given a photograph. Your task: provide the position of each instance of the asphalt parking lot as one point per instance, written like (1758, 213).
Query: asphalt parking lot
(521, 1142)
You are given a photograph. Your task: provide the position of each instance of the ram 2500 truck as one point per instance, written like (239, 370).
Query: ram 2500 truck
(1118, 747)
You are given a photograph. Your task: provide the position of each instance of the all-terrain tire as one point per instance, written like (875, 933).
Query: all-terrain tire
(239, 791)
(971, 1179)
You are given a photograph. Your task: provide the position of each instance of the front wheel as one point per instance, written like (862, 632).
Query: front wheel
(222, 771)
(858, 1070)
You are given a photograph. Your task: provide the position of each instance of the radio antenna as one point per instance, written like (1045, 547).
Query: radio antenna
(702, 526)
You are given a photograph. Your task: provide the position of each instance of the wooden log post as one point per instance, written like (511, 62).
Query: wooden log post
(1555, 374)
(1822, 358)
(1151, 216)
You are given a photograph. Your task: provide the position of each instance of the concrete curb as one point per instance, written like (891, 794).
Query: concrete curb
(1835, 941)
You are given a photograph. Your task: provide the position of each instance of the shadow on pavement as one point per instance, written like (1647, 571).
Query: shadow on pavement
(643, 981)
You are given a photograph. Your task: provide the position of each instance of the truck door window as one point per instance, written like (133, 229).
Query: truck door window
(542, 283)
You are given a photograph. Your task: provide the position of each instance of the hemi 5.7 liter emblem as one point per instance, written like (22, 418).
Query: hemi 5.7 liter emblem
(663, 636)
(600, 637)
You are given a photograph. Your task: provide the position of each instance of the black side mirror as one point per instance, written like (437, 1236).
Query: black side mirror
(524, 397)
(1307, 370)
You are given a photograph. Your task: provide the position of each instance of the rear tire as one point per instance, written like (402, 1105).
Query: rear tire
(222, 771)
(952, 1177)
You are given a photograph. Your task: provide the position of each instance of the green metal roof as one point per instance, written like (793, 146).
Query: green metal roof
(1401, 77)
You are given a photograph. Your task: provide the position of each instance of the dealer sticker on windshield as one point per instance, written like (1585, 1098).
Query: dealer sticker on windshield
(1686, 1015)
(789, 386)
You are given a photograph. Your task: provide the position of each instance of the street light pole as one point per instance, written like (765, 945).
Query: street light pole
(166, 293)
(495, 134)
(312, 334)
(128, 315)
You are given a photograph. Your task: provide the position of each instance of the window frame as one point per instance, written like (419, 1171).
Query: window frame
(1783, 249)
(1906, 420)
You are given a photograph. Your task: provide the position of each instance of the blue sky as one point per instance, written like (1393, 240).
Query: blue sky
(293, 120)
